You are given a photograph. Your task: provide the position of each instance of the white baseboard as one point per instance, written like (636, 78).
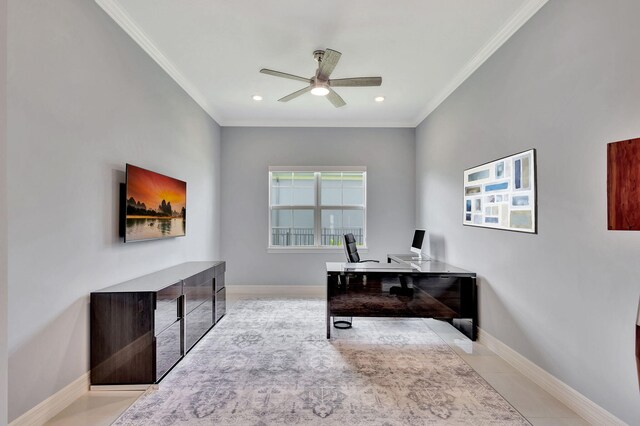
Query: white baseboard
(119, 388)
(583, 406)
(293, 291)
(57, 402)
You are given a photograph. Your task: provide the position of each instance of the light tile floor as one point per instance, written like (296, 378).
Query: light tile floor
(98, 408)
(95, 408)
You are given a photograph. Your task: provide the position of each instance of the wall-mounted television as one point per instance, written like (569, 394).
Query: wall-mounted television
(155, 206)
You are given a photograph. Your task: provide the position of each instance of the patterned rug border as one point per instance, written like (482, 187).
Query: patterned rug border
(336, 339)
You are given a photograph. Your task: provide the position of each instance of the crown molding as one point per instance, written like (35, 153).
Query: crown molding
(124, 20)
(522, 15)
(316, 123)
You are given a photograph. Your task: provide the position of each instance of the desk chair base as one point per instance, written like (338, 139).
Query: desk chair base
(343, 324)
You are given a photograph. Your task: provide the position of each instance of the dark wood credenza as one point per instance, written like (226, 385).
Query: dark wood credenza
(141, 328)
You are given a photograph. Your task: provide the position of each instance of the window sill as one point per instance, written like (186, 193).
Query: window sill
(311, 250)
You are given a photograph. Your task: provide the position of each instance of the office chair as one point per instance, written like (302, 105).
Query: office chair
(351, 250)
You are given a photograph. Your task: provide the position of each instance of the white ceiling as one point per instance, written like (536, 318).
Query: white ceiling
(423, 49)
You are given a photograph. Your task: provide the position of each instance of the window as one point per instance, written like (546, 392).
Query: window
(315, 208)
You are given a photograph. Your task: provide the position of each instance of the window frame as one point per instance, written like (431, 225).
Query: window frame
(317, 208)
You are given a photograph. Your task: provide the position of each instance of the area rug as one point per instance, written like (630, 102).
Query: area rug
(268, 362)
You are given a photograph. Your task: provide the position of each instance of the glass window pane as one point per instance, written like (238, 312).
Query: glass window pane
(331, 228)
(353, 196)
(331, 180)
(304, 196)
(302, 231)
(303, 219)
(353, 222)
(332, 219)
(352, 219)
(292, 227)
(281, 178)
(353, 180)
(304, 179)
(336, 223)
(281, 221)
(281, 196)
(331, 197)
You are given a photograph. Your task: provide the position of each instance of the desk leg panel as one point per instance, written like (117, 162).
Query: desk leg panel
(468, 321)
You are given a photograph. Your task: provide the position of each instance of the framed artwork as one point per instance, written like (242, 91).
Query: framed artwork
(623, 191)
(502, 194)
(144, 191)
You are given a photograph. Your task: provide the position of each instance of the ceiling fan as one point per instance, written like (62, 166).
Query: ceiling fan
(320, 84)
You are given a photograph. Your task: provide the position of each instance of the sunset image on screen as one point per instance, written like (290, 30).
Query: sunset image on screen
(156, 205)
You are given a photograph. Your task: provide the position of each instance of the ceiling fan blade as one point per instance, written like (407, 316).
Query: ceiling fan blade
(284, 75)
(328, 63)
(295, 94)
(335, 99)
(356, 82)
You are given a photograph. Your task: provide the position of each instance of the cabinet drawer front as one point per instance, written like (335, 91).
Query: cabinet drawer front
(198, 322)
(196, 296)
(167, 312)
(221, 304)
(219, 282)
(170, 293)
(167, 307)
(199, 278)
(168, 349)
(198, 289)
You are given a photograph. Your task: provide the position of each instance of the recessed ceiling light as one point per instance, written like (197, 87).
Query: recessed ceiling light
(257, 97)
(379, 99)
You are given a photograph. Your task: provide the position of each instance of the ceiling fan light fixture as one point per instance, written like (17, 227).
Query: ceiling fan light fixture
(320, 91)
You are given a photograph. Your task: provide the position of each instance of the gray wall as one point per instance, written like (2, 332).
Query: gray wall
(3, 213)
(566, 84)
(83, 99)
(247, 154)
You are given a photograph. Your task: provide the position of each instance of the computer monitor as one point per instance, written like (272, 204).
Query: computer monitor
(416, 245)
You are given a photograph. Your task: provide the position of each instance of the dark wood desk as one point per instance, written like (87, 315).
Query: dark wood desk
(403, 288)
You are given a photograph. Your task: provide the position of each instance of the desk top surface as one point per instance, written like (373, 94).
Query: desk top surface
(407, 267)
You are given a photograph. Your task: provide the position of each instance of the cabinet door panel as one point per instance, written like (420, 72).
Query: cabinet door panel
(197, 322)
(168, 349)
(121, 338)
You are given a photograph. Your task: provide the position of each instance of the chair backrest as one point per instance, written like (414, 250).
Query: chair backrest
(350, 248)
